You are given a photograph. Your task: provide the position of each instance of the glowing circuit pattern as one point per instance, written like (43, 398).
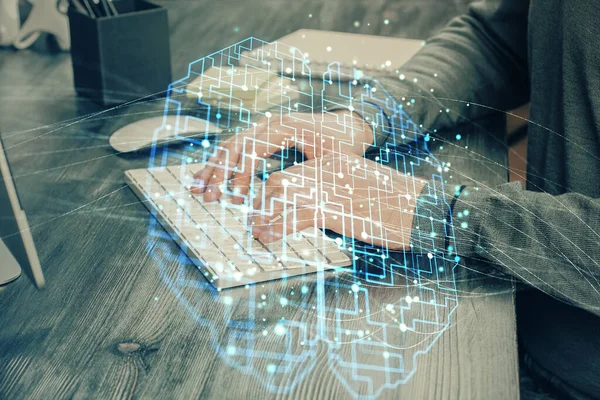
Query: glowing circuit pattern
(372, 320)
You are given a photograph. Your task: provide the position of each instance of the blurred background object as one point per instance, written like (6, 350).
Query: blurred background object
(45, 16)
(9, 21)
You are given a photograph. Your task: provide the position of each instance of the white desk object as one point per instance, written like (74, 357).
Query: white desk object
(9, 21)
(16, 244)
(369, 54)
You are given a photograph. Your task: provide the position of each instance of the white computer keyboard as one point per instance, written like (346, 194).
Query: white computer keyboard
(215, 235)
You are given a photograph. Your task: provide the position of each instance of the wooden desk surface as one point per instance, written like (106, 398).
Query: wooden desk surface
(109, 325)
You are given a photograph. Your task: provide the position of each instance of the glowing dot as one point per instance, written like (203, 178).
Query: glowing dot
(350, 108)
(218, 116)
(279, 330)
(268, 114)
(464, 225)
(403, 327)
(328, 48)
(271, 368)
(429, 255)
(339, 241)
(355, 288)
(231, 350)
(408, 299)
(340, 175)
(244, 88)
(156, 299)
(288, 70)
(415, 80)
(386, 21)
(458, 136)
(356, 24)
(388, 63)
(364, 235)
(304, 289)
(283, 301)
(402, 77)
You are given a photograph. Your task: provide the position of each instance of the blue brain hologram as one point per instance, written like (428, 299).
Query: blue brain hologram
(370, 321)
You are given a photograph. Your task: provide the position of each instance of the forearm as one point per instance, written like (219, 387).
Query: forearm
(548, 242)
(477, 64)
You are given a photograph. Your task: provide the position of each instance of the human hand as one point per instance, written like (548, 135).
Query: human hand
(315, 135)
(348, 194)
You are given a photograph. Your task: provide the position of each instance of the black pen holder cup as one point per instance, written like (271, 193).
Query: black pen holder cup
(121, 58)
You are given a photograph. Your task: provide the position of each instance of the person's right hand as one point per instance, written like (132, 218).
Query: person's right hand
(350, 195)
(315, 135)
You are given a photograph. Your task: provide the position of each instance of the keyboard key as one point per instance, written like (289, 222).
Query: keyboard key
(214, 208)
(305, 250)
(244, 264)
(177, 190)
(285, 254)
(294, 264)
(198, 213)
(226, 243)
(167, 206)
(273, 266)
(213, 257)
(141, 176)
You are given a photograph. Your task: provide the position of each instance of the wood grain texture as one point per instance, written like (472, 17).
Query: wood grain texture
(108, 325)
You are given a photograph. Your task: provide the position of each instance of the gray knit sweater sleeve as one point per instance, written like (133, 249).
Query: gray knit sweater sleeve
(548, 242)
(476, 64)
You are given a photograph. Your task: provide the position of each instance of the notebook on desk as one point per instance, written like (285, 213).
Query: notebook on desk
(368, 53)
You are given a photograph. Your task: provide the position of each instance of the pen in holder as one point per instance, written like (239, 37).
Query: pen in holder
(121, 56)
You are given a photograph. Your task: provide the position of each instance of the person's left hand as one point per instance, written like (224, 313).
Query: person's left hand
(317, 134)
(348, 194)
